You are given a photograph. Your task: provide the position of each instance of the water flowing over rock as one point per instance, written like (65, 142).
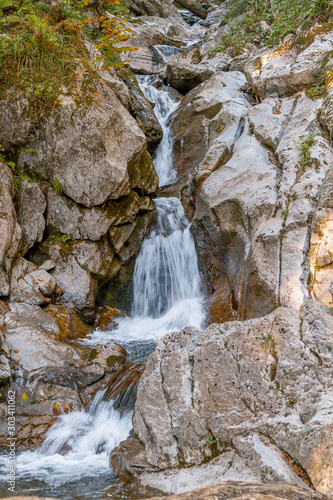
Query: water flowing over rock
(165, 276)
(236, 144)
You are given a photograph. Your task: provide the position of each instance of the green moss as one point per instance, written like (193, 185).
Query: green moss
(115, 360)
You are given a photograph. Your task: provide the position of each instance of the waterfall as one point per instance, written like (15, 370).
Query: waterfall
(166, 271)
(78, 445)
(167, 297)
(164, 107)
(166, 283)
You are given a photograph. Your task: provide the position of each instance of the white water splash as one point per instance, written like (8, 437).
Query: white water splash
(166, 51)
(164, 107)
(77, 445)
(167, 297)
(167, 285)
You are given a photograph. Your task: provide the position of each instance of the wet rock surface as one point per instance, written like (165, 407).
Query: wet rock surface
(48, 371)
(250, 398)
(246, 491)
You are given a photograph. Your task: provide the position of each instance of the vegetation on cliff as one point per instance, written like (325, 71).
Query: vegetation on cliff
(269, 21)
(42, 46)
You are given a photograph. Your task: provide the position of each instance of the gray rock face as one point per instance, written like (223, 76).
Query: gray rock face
(87, 149)
(244, 490)
(31, 285)
(159, 8)
(185, 77)
(80, 223)
(326, 115)
(30, 214)
(211, 109)
(254, 394)
(293, 66)
(258, 187)
(10, 232)
(143, 111)
(15, 126)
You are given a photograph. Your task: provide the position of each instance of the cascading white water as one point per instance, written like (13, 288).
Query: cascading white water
(166, 271)
(77, 445)
(165, 51)
(164, 107)
(167, 297)
(166, 283)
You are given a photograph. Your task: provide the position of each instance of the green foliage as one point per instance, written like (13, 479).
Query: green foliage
(211, 439)
(57, 186)
(316, 90)
(64, 239)
(306, 144)
(283, 18)
(285, 212)
(42, 49)
(268, 342)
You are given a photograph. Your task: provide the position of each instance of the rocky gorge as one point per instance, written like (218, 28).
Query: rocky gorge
(166, 264)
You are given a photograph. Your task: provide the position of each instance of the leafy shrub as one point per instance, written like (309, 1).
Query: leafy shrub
(42, 46)
(283, 17)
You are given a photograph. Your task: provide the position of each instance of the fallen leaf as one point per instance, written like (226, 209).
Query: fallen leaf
(16, 350)
(25, 396)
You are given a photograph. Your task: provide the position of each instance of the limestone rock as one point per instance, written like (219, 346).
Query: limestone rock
(326, 115)
(185, 77)
(78, 285)
(80, 223)
(295, 65)
(87, 148)
(68, 323)
(195, 7)
(255, 393)
(15, 125)
(203, 115)
(10, 232)
(159, 8)
(143, 111)
(267, 222)
(29, 284)
(30, 214)
(246, 491)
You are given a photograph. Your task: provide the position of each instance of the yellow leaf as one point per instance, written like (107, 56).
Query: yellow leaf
(56, 407)
(110, 308)
(25, 396)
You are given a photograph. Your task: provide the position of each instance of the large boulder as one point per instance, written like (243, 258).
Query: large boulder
(295, 65)
(251, 400)
(143, 111)
(31, 205)
(10, 231)
(214, 107)
(86, 148)
(246, 491)
(158, 8)
(256, 203)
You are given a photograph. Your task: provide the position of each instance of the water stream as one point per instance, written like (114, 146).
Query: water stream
(74, 456)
